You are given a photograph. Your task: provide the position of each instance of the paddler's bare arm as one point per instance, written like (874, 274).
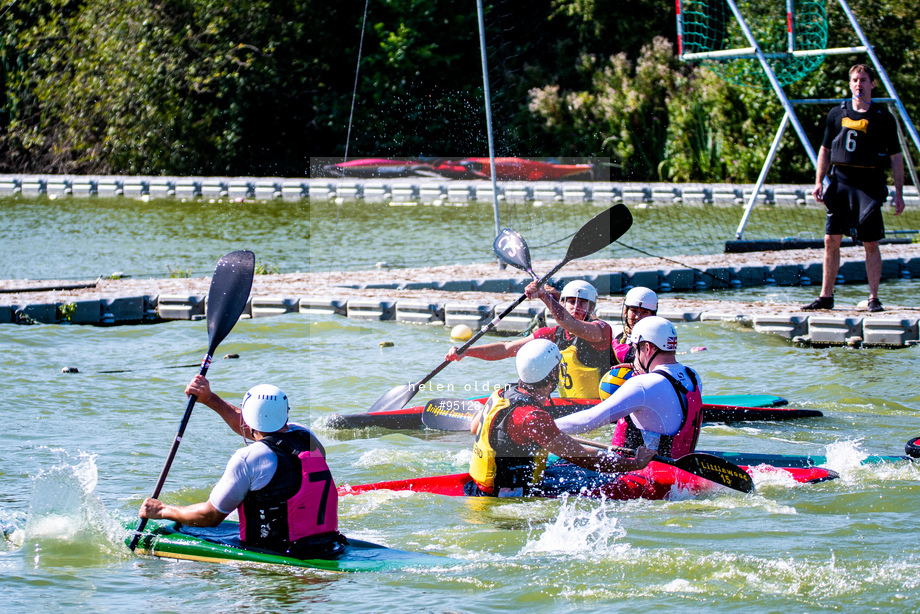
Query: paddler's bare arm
(565, 447)
(232, 415)
(196, 515)
(541, 429)
(491, 351)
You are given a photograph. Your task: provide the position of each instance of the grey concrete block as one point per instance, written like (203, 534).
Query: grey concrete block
(786, 327)
(109, 187)
(546, 193)
(179, 307)
(370, 309)
(913, 266)
(519, 284)
(606, 283)
(460, 193)
(680, 316)
(266, 306)
(459, 285)
(237, 188)
(322, 305)
(418, 285)
(645, 279)
(675, 280)
(431, 192)
(833, 330)
(747, 276)
(853, 272)
(41, 313)
(713, 277)
(266, 190)
(83, 187)
(85, 312)
(814, 272)
(320, 189)
(58, 186)
(161, 188)
(890, 332)
(6, 314)
(784, 274)
(492, 285)
(123, 310)
(134, 187)
(293, 190)
(474, 315)
(891, 268)
(610, 309)
(419, 312)
(725, 316)
(9, 185)
(211, 188)
(520, 317)
(32, 186)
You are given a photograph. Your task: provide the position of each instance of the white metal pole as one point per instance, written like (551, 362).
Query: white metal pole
(485, 85)
(763, 176)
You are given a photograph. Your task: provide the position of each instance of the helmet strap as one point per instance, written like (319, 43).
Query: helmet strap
(645, 367)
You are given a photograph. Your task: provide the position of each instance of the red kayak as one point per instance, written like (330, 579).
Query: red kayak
(369, 168)
(506, 169)
(411, 417)
(657, 481)
(512, 169)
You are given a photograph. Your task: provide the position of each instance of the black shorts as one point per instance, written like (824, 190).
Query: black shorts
(855, 211)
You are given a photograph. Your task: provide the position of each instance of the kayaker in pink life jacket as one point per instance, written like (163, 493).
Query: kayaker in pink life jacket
(280, 485)
(659, 407)
(638, 303)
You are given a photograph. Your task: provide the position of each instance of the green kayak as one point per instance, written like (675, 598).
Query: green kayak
(221, 544)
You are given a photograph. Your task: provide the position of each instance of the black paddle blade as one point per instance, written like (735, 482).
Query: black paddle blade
(716, 470)
(599, 232)
(230, 288)
(395, 398)
(450, 414)
(511, 248)
(912, 447)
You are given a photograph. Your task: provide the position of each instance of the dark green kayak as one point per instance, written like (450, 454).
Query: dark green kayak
(221, 544)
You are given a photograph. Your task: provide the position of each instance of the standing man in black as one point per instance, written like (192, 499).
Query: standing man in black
(859, 140)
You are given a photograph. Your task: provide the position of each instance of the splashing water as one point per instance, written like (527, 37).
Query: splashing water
(580, 530)
(66, 522)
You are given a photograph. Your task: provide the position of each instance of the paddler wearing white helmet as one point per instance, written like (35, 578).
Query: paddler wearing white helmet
(584, 341)
(660, 406)
(639, 302)
(513, 432)
(281, 509)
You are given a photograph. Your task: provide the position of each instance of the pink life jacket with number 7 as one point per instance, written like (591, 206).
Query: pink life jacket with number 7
(299, 501)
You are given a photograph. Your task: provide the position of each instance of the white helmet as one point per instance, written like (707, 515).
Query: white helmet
(580, 289)
(657, 331)
(265, 408)
(537, 359)
(641, 297)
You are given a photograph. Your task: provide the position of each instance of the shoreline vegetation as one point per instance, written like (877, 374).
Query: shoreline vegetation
(242, 88)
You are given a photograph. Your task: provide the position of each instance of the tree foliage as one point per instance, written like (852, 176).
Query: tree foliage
(258, 87)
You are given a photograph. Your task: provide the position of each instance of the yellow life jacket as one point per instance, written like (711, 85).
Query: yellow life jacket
(498, 462)
(584, 366)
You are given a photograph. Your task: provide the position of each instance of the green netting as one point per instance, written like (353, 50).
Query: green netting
(710, 25)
